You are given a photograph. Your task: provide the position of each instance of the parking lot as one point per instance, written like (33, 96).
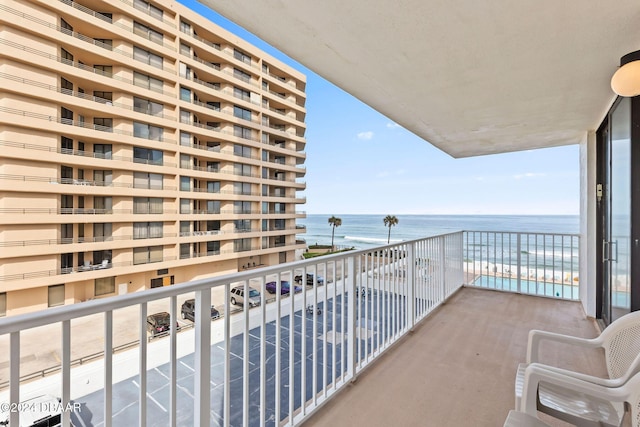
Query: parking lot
(125, 393)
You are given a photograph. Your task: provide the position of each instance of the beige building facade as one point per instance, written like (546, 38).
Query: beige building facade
(141, 145)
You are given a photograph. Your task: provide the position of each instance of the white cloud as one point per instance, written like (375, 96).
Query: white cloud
(529, 175)
(392, 125)
(383, 174)
(365, 136)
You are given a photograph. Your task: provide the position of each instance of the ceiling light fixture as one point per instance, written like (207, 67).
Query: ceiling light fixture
(626, 81)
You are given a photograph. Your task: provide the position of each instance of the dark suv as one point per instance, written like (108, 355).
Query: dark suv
(158, 323)
(189, 308)
(298, 279)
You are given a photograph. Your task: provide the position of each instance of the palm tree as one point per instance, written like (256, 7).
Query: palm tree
(334, 222)
(390, 221)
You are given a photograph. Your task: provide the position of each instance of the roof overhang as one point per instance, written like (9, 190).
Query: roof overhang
(471, 78)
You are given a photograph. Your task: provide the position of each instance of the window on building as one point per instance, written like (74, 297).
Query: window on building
(214, 105)
(213, 166)
(147, 32)
(103, 123)
(242, 150)
(66, 86)
(213, 225)
(242, 75)
(65, 26)
(278, 224)
(241, 132)
(102, 96)
(242, 113)
(105, 70)
(243, 188)
(185, 27)
(242, 94)
(241, 56)
(104, 286)
(66, 263)
(147, 82)
(213, 248)
(103, 204)
(185, 250)
(103, 177)
(241, 207)
(102, 231)
(148, 8)
(185, 94)
(185, 139)
(147, 131)
(147, 156)
(213, 206)
(104, 43)
(185, 206)
(150, 181)
(147, 205)
(146, 106)
(3, 304)
(66, 116)
(147, 255)
(242, 169)
(241, 245)
(56, 295)
(213, 186)
(66, 174)
(242, 225)
(147, 230)
(66, 145)
(66, 233)
(102, 151)
(67, 57)
(185, 183)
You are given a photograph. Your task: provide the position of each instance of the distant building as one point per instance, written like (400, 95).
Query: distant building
(141, 145)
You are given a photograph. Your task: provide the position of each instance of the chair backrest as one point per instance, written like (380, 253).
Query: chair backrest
(621, 343)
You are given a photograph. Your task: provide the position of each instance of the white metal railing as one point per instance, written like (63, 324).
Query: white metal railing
(270, 362)
(543, 264)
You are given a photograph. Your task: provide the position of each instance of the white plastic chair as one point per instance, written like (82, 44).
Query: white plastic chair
(521, 419)
(595, 404)
(620, 342)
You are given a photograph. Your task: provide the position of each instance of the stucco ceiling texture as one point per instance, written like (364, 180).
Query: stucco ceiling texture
(470, 77)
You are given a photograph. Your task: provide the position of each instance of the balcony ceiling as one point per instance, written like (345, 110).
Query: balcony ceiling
(471, 78)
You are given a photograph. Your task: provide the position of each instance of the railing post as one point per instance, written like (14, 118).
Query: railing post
(519, 261)
(14, 376)
(352, 315)
(441, 266)
(66, 371)
(411, 288)
(202, 377)
(108, 368)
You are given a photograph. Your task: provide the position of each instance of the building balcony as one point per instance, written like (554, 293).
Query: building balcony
(445, 342)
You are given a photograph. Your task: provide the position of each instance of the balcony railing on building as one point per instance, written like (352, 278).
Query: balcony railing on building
(281, 357)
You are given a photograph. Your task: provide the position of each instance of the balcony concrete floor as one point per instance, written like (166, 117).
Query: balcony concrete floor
(458, 366)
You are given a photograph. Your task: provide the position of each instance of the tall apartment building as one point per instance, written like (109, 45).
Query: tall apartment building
(140, 146)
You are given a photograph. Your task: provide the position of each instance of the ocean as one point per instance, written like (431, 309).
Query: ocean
(367, 231)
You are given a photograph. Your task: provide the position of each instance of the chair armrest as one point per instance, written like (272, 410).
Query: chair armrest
(537, 373)
(537, 336)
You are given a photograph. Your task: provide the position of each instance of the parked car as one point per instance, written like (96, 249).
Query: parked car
(285, 287)
(237, 296)
(159, 323)
(320, 280)
(189, 309)
(45, 410)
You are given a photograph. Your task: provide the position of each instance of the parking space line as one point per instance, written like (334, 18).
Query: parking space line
(149, 396)
(187, 366)
(239, 357)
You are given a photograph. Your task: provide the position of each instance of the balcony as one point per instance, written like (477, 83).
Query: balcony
(445, 347)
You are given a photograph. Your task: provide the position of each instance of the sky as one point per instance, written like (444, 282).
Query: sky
(360, 162)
